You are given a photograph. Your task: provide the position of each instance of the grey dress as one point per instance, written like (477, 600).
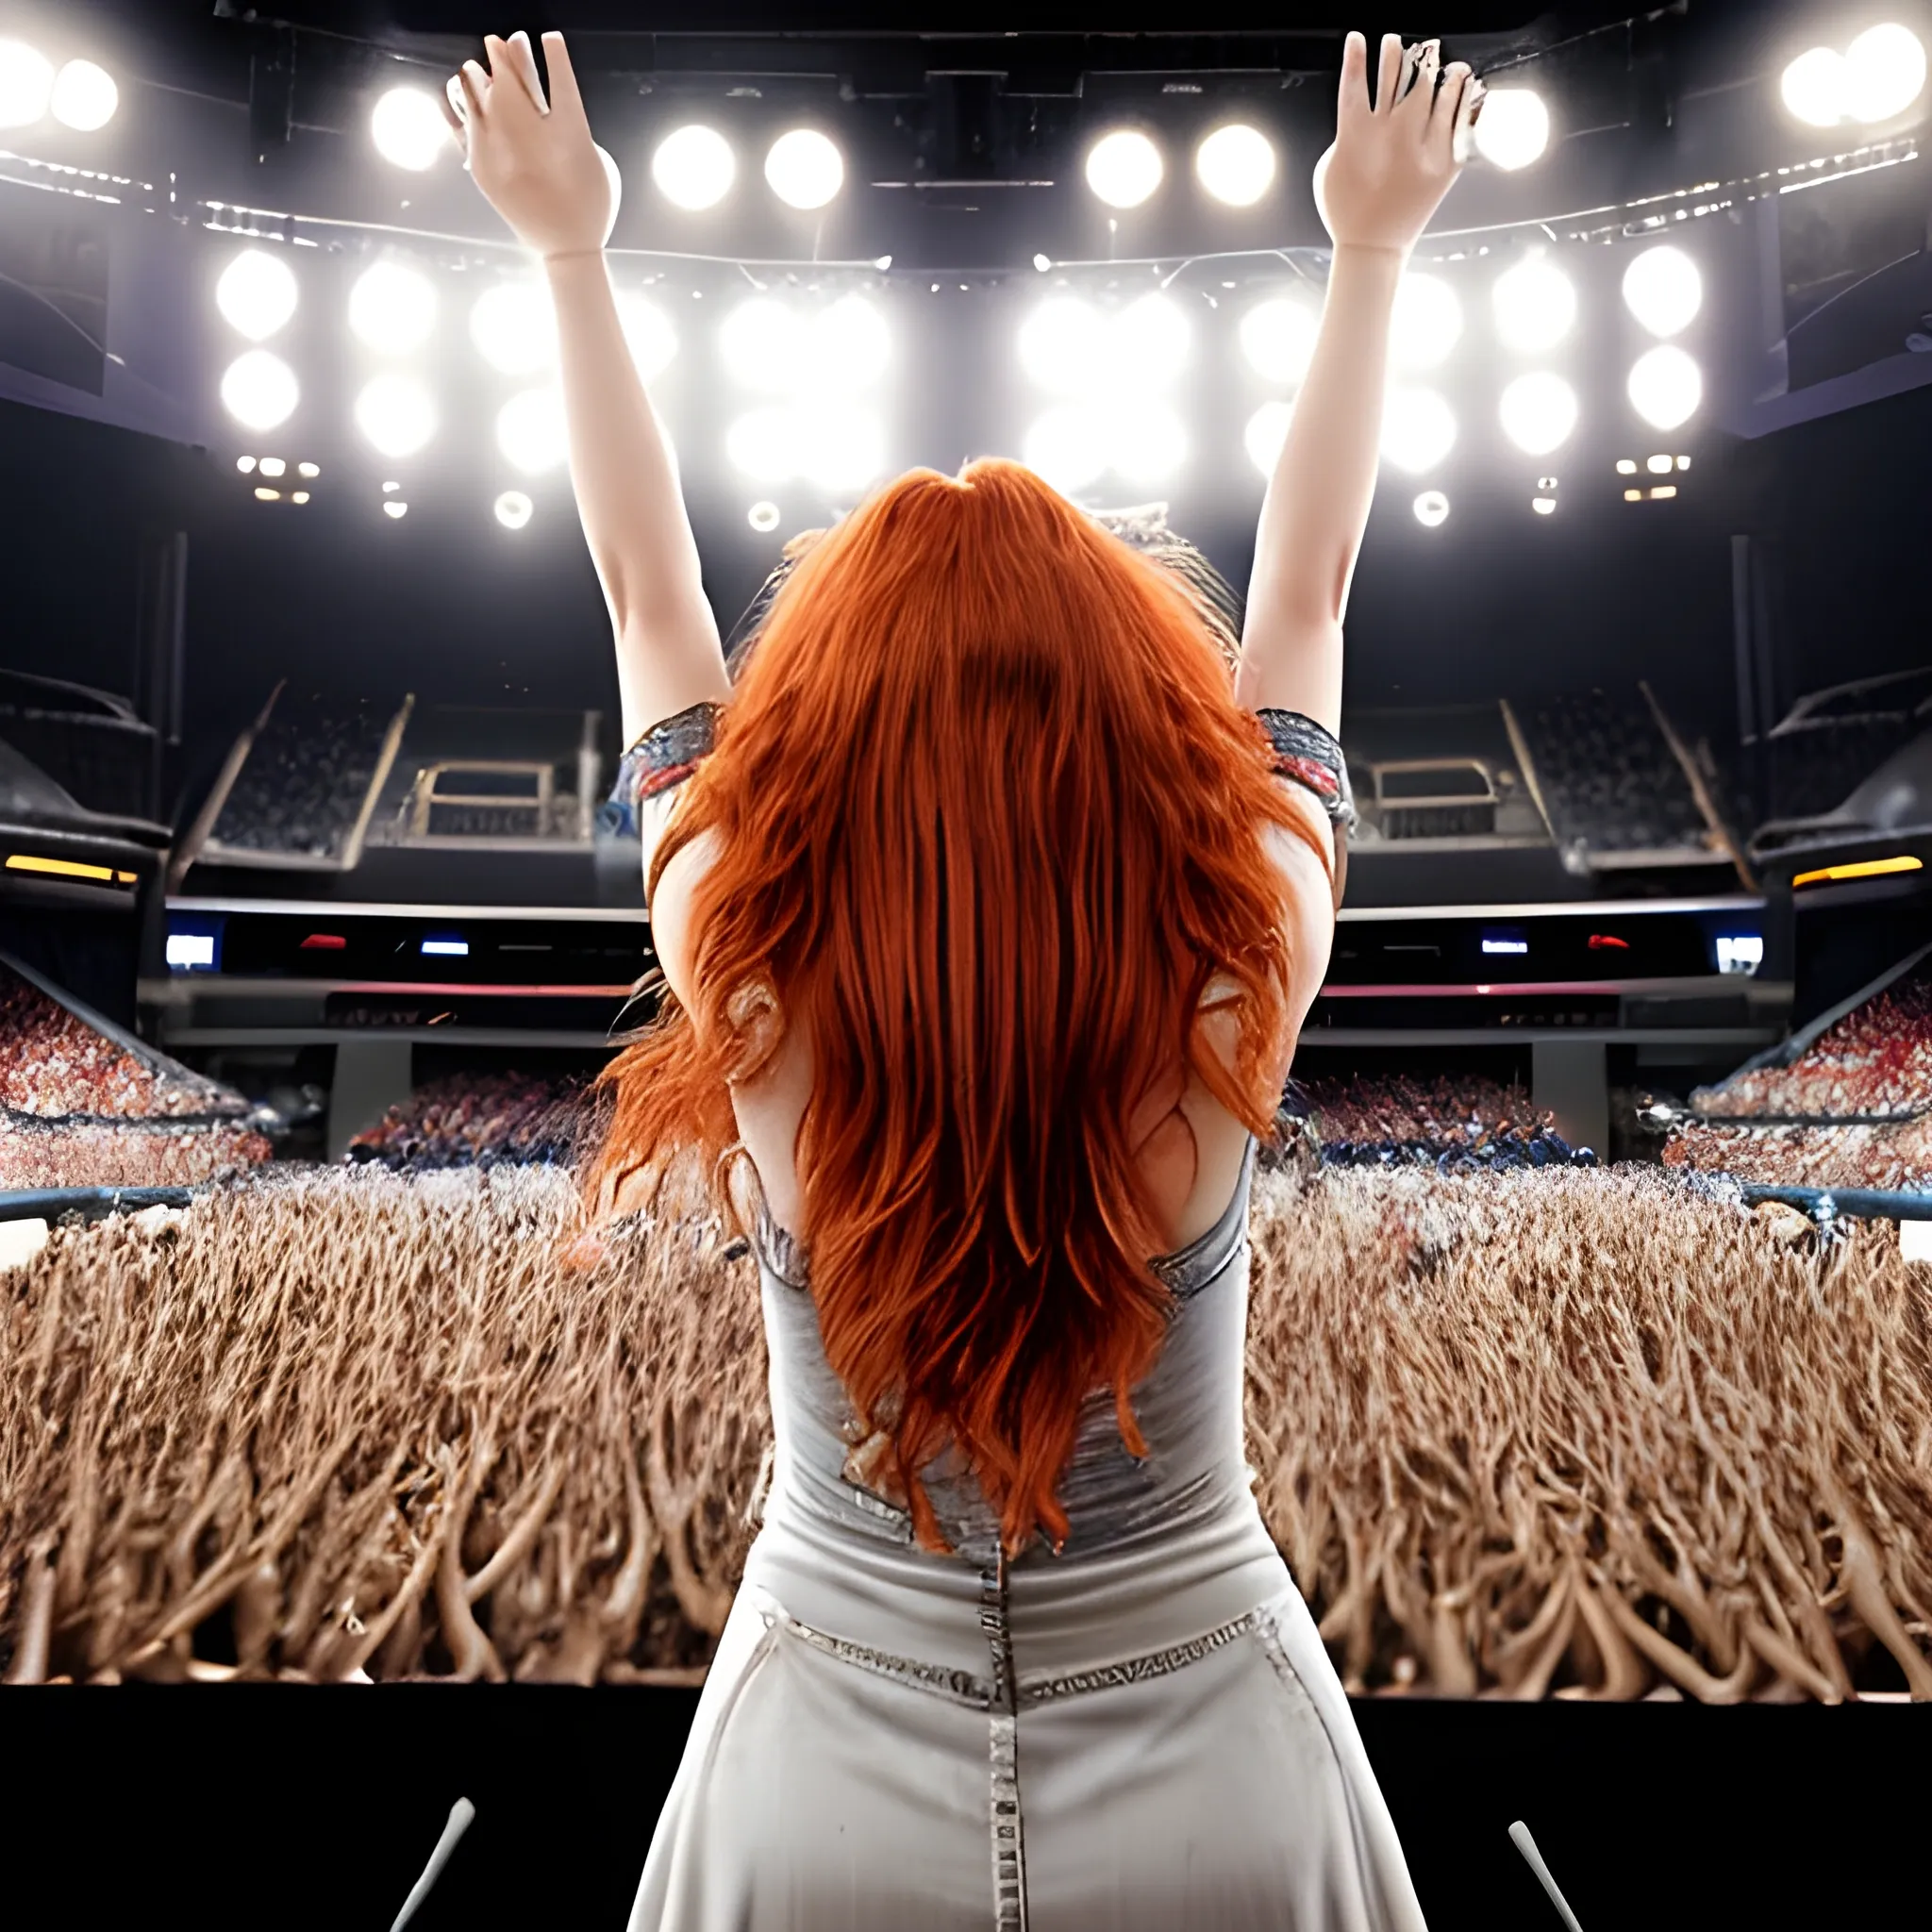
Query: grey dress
(1142, 1734)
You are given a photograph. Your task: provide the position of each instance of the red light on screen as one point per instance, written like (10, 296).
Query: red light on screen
(1603, 941)
(324, 942)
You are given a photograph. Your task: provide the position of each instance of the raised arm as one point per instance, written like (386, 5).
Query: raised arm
(1378, 185)
(537, 164)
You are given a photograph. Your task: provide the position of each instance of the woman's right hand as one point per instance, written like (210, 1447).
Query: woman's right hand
(534, 161)
(1394, 161)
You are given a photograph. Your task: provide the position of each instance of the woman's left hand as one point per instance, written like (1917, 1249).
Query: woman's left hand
(534, 159)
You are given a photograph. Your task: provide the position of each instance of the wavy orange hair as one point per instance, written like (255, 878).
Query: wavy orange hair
(989, 822)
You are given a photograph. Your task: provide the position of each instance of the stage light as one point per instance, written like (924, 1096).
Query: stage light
(266, 495)
(256, 293)
(694, 167)
(245, 464)
(513, 509)
(1626, 466)
(1068, 446)
(1658, 466)
(387, 488)
(1266, 432)
(1633, 496)
(1149, 445)
(1539, 412)
(84, 97)
(804, 169)
(1236, 164)
(1418, 429)
(1148, 342)
(1884, 70)
(260, 390)
(26, 81)
(1431, 509)
(1062, 345)
(840, 449)
(1544, 506)
(531, 431)
(1426, 323)
(409, 129)
(1124, 168)
(396, 415)
(1535, 306)
(849, 345)
(309, 469)
(1663, 290)
(1813, 87)
(762, 445)
(1664, 490)
(515, 327)
(274, 466)
(1666, 387)
(649, 331)
(762, 344)
(1683, 462)
(1513, 129)
(1277, 337)
(395, 508)
(393, 309)
(763, 517)
(300, 496)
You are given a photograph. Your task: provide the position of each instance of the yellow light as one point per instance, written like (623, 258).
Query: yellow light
(268, 495)
(1633, 496)
(1626, 466)
(315, 469)
(123, 878)
(1865, 869)
(300, 496)
(62, 868)
(1665, 490)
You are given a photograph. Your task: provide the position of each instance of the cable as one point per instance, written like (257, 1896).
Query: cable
(460, 1813)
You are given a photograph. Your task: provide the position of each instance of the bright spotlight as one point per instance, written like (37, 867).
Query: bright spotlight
(1236, 164)
(256, 293)
(515, 327)
(1814, 87)
(409, 129)
(393, 309)
(1149, 445)
(1149, 341)
(804, 169)
(694, 167)
(649, 331)
(245, 464)
(1534, 305)
(763, 445)
(1062, 345)
(763, 517)
(1426, 323)
(1277, 337)
(275, 466)
(260, 390)
(26, 81)
(1067, 446)
(531, 431)
(1124, 168)
(849, 344)
(763, 345)
(1663, 290)
(840, 449)
(1666, 387)
(1539, 412)
(84, 97)
(1431, 509)
(1885, 69)
(513, 509)
(1418, 429)
(396, 413)
(1266, 432)
(1658, 466)
(1544, 506)
(1514, 128)
(395, 508)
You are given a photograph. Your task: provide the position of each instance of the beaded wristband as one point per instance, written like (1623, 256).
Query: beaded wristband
(668, 753)
(1311, 756)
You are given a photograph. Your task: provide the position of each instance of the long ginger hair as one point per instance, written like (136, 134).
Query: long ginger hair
(989, 822)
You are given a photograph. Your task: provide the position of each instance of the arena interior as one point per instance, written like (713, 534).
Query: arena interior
(1590, 1347)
